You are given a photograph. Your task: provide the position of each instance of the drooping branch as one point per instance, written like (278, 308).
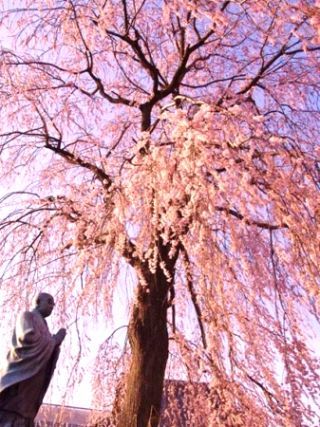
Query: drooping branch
(260, 224)
(193, 294)
(270, 396)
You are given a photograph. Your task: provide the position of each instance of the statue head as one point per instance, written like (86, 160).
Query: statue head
(44, 304)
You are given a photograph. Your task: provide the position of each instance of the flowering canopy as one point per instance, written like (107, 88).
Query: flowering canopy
(191, 125)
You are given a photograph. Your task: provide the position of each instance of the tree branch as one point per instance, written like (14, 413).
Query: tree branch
(260, 224)
(72, 158)
(193, 294)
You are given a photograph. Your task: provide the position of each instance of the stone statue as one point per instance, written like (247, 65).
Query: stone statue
(30, 364)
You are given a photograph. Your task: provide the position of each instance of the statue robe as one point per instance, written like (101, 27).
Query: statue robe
(28, 371)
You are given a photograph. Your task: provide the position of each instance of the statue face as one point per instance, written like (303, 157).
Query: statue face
(45, 304)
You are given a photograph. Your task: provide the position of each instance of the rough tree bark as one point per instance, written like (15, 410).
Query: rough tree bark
(149, 342)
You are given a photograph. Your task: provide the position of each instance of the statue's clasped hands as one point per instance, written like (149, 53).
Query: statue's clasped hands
(60, 335)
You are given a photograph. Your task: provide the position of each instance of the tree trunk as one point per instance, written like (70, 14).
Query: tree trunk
(148, 337)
